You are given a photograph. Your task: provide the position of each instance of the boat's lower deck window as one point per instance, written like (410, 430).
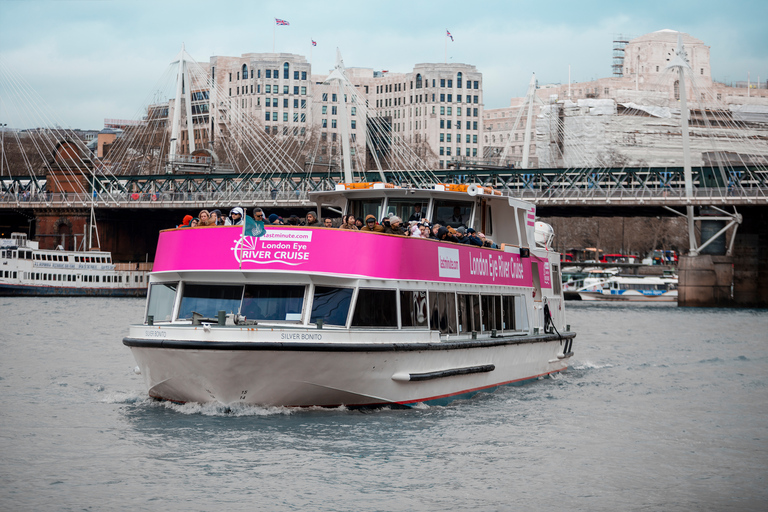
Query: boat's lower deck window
(331, 305)
(443, 312)
(270, 302)
(413, 308)
(491, 308)
(209, 300)
(469, 313)
(508, 312)
(161, 299)
(375, 308)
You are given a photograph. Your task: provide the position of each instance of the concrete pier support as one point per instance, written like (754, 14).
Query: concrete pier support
(740, 280)
(705, 281)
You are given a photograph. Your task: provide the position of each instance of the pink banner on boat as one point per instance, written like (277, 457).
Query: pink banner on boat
(341, 252)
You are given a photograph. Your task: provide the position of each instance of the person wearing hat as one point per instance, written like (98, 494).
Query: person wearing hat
(372, 225)
(236, 214)
(216, 218)
(185, 222)
(312, 220)
(395, 227)
(273, 218)
(461, 235)
(472, 238)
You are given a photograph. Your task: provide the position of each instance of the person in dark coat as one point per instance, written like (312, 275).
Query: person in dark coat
(312, 220)
(472, 238)
(372, 225)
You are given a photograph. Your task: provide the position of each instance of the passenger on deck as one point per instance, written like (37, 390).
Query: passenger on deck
(328, 222)
(311, 220)
(395, 227)
(194, 222)
(258, 215)
(423, 230)
(433, 231)
(218, 218)
(444, 235)
(236, 214)
(293, 221)
(349, 223)
(359, 223)
(487, 242)
(274, 218)
(205, 218)
(372, 225)
(185, 222)
(472, 238)
(461, 235)
(416, 215)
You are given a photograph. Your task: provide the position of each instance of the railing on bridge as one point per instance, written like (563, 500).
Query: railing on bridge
(627, 186)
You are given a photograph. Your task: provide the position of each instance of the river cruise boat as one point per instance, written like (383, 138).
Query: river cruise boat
(633, 289)
(26, 269)
(313, 316)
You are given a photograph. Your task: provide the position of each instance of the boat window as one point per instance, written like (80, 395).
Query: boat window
(375, 308)
(161, 299)
(270, 302)
(508, 313)
(442, 307)
(404, 208)
(330, 305)
(361, 208)
(491, 312)
(556, 280)
(452, 213)
(469, 313)
(208, 300)
(413, 308)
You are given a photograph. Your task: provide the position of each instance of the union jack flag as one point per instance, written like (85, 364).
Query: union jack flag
(448, 34)
(314, 43)
(281, 22)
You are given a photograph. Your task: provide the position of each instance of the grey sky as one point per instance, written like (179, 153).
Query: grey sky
(98, 59)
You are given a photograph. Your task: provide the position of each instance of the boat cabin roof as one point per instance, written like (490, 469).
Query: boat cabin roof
(504, 218)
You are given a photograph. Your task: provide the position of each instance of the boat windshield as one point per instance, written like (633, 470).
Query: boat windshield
(208, 300)
(452, 213)
(271, 302)
(331, 305)
(161, 299)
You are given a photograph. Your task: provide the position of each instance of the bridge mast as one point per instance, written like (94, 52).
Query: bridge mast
(530, 97)
(527, 135)
(183, 84)
(338, 76)
(680, 63)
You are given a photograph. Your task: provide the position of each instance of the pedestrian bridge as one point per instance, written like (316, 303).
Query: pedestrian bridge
(545, 187)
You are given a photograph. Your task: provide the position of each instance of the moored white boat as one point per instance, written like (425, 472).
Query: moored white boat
(300, 316)
(633, 289)
(25, 269)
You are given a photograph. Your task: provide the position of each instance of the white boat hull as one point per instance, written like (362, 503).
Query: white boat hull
(330, 375)
(629, 296)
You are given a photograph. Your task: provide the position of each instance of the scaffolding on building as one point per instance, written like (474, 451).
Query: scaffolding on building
(619, 44)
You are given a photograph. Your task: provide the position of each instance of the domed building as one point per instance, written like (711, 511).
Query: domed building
(633, 117)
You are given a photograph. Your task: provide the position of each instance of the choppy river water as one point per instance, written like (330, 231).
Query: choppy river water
(663, 408)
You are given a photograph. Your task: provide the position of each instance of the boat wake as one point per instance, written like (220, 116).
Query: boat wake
(587, 365)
